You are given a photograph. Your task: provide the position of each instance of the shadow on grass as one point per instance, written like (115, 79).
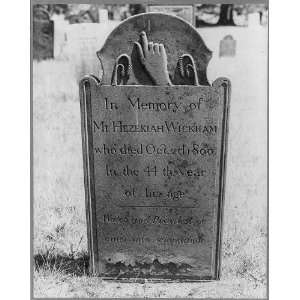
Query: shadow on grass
(78, 266)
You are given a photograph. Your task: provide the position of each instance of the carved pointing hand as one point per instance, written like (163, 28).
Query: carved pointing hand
(153, 57)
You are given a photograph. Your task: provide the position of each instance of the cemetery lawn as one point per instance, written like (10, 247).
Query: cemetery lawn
(60, 243)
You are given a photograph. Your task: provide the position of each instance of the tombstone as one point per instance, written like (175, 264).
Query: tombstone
(227, 46)
(185, 12)
(154, 135)
(83, 40)
(254, 20)
(60, 36)
(264, 18)
(103, 15)
(43, 30)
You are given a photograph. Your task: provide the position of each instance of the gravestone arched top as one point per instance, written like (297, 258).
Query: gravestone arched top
(227, 46)
(228, 37)
(180, 40)
(41, 14)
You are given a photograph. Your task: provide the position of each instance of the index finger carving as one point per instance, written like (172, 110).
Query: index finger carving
(144, 41)
(140, 51)
(162, 50)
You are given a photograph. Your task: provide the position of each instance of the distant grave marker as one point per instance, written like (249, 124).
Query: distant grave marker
(154, 135)
(103, 15)
(83, 41)
(227, 46)
(254, 20)
(60, 36)
(185, 12)
(43, 31)
(264, 18)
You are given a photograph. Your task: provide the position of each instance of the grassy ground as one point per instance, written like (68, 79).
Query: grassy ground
(60, 244)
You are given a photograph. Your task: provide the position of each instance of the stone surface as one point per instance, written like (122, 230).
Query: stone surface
(155, 177)
(227, 46)
(43, 32)
(103, 15)
(185, 12)
(83, 41)
(254, 20)
(60, 37)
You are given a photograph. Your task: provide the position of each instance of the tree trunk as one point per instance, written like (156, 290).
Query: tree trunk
(226, 15)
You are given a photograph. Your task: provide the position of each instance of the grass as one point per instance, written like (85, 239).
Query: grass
(60, 244)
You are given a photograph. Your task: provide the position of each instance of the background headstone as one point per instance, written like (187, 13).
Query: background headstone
(83, 41)
(185, 12)
(264, 18)
(60, 36)
(227, 46)
(103, 15)
(43, 32)
(254, 20)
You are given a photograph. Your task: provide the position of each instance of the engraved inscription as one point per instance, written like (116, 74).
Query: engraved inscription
(157, 159)
(173, 168)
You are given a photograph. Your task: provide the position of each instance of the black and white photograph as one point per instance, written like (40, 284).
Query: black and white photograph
(150, 149)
